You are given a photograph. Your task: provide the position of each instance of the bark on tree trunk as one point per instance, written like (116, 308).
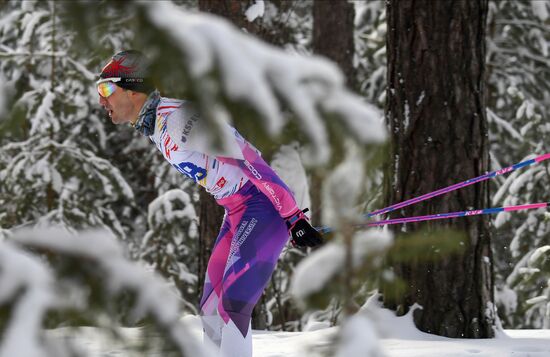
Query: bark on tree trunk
(210, 221)
(333, 34)
(233, 10)
(333, 38)
(333, 28)
(436, 114)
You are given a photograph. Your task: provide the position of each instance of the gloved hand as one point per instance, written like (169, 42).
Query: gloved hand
(301, 231)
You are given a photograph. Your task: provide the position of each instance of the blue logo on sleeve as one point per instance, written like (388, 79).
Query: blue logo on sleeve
(191, 170)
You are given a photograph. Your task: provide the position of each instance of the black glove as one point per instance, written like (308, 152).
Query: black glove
(301, 231)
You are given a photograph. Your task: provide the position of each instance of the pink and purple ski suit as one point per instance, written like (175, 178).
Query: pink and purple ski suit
(254, 231)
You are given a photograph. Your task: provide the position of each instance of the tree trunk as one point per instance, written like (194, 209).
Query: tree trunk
(333, 38)
(210, 221)
(233, 10)
(333, 34)
(333, 28)
(436, 114)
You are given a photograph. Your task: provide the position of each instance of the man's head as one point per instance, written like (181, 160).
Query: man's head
(124, 85)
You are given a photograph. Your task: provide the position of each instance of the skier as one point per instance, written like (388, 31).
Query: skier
(260, 210)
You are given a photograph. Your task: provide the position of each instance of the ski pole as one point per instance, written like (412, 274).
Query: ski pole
(455, 214)
(431, 217)
(456, 186)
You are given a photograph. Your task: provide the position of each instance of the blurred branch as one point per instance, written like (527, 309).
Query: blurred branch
(32, 54)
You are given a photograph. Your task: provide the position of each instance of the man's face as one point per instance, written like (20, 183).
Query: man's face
(118, 105)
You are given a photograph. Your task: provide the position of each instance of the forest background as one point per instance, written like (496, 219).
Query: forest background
(63, 164)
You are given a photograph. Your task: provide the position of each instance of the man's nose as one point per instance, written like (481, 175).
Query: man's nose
(102, 101)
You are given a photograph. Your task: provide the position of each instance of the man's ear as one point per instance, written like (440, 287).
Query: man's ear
(136, 95)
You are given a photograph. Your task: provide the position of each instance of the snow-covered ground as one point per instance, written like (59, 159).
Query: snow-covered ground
(401, 340)
(516, 343)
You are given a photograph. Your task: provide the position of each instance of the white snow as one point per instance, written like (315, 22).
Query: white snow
(526, 108)
(372, 332)
(44, 117)
(358, 337)
(153, 297)
(313, 272)
(538, 253)
(255, 10)
(161, 209)
(82, 69)
(288, 166)
(342, 189)
(523, 178)
(20, 273)
(507, 298)
(421, 98)
(537, 300)
(29, 23)
(540, 9)
(504, 124)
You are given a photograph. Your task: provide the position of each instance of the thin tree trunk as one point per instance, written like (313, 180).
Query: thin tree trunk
(333, 34)
(210, 221)
(436, 114)
(233, 10)
(333, 28)
(333, 38)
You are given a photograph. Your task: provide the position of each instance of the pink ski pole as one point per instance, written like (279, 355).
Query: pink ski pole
(456, 186)
(431, 217)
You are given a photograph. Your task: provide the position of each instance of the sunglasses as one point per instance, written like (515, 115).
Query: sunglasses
(107, 86)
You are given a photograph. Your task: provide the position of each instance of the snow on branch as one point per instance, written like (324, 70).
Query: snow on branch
(289, 167)
(314, 272)
(117, 275)
(341, 194)
(504, 124)
(266, 78)
(28, 281)
(540, 9)
(256, 10)
(359, 337)
(163, 208)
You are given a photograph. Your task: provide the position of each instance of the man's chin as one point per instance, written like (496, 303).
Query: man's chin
(118, 121)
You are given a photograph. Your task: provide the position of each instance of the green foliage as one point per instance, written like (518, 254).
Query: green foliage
(13, 125)
(427, 246)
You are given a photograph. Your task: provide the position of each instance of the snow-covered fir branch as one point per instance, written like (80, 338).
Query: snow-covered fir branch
(311, 87)
(96, 259)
